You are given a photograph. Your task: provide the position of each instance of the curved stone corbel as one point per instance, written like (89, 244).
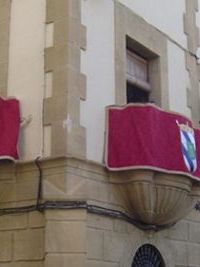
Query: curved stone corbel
(156, 198)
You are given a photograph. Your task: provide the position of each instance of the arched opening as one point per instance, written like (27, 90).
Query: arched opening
(148, 256)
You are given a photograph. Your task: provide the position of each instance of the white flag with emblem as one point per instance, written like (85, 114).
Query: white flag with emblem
(188, 146)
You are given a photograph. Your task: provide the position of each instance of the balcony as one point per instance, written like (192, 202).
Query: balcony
(153, 160)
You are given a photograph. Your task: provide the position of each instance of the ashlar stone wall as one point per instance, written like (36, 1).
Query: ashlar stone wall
(22, 240)
(113, 243)
(65, 231)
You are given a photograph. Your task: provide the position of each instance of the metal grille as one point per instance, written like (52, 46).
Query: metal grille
(148, 256)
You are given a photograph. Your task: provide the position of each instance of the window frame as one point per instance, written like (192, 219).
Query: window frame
(139, 36)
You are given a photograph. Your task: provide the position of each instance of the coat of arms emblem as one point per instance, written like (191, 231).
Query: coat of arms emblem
(188, 146)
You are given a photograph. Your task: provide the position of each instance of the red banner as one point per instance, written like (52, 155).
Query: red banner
(9, 128)
(142, 136)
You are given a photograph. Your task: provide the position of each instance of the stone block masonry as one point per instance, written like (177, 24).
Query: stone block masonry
(22, 243)
(74, 237)
(62, 60)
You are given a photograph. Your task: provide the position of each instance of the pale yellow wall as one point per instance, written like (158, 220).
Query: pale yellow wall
(26, 70)
(178, 80)
(198, 15)
(97, 62)
(165, 15)
(26, 65)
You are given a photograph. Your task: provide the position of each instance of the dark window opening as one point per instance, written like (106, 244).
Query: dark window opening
(137, 78)
(148, 256)
(135, 94)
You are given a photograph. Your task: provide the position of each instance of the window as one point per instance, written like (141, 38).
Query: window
(138, 36)
(138, 86)
(148, 255)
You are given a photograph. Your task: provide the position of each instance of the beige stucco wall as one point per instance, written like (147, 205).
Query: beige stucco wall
(97, 61)
(164, 15)
(26, 70)
(198, 16)
(178, 80)
(26, 73)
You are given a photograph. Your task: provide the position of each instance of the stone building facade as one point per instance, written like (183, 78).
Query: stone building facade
(65, 60)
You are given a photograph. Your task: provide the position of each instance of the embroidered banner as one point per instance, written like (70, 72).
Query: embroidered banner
(9, 128)
(142, 136)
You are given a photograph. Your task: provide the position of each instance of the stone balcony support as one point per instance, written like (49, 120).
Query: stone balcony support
(156, 198)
